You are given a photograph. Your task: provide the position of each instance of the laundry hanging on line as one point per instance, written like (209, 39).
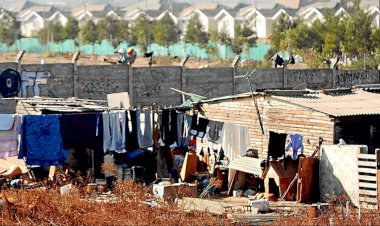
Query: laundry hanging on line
(41, 140)
(10, 125)
(83, 130)
(295, 143)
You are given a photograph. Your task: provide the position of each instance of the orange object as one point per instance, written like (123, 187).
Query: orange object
(270, 196)
(130, 51)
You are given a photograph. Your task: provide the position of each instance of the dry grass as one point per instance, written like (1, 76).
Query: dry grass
(335, 214)
(48, 207)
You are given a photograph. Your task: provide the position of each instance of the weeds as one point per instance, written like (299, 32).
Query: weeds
(48, 207)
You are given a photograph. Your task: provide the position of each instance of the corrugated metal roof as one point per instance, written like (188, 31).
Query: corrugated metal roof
(247, 165)
(357, 102)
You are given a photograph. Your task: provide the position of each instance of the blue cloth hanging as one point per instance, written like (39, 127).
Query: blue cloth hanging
(41, 142)
(295, 143)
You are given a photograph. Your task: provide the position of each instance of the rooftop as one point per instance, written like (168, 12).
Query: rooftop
(338, 104)
(332, 102)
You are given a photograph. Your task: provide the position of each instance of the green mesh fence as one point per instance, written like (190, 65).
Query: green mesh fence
(105, 48)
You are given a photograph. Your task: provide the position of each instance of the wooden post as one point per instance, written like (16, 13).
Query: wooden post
(130, 85)
(75, 78)
(231, 187)
(334, 77)
(19, 56)
(234, 66)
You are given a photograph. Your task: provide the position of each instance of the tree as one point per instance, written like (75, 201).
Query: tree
(358, 31)
(194, 32)
(333, 33)
(165, 31)
(109, 28)
(282, 25)
(244, 39)
(305, 37)
(87, 33)
(55, 29)
(51, 33)
(9, 29)
(142, 31)
(71, 29)
(376, 40)
(122, 34)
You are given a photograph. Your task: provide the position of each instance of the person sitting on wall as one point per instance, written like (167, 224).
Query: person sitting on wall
(126, 56)
(131, 56)
(123, 57)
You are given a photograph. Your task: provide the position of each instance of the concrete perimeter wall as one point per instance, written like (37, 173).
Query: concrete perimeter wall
(152, 85)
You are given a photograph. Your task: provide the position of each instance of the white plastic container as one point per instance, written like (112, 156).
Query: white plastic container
(237, 193)
(262, 205)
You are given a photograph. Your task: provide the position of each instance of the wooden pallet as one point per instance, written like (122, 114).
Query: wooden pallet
(368, 190)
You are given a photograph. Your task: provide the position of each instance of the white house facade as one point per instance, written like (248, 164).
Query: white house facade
(184, 21)
(31, 24)
(172, 16)
(375, 13)
(310, 15)
(58, 17)
(225, 23)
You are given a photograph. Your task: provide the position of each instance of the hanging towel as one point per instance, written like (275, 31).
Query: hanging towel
(9, 131)
(295, 143)
(173, 129)
(122, 119)
(165, 126)
(147, 140)
(41, 142)
(194, 125)
(82, 131)
(114, 129)
(107, 133)
(202, 127)
(6, 122)
(179, 128)
(132, 137)
(215, 130)
(138, 127)
(235, 140)
(186, 131)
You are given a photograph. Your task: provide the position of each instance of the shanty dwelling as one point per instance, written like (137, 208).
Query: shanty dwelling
(274, 116)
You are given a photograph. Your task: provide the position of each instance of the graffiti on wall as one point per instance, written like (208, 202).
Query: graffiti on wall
(10, 83)
(33, 79)
(147, 90)
(348, 78)
(301, 75)
(309, 78)
(99, 86)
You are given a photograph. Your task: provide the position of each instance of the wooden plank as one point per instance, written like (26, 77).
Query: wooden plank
(367, 192)
(368, 185)
(368, 199)
(368, 178)
(231, 187)
(368, 206)
(367, 156)
(189, 166)
(367, 170)
(253, 218)
(367, 163)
